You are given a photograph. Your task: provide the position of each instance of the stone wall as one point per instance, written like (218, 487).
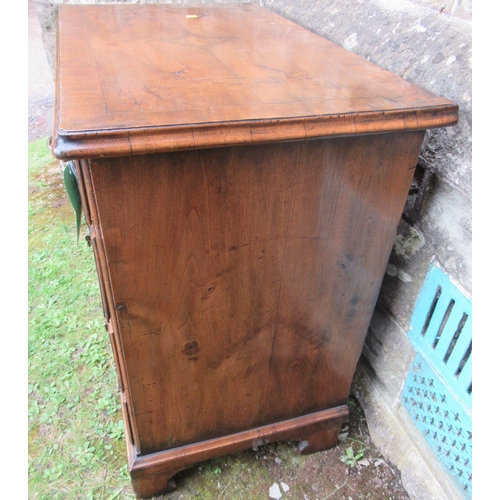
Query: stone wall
(427, 42)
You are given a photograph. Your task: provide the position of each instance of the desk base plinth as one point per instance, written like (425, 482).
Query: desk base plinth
(153, 474)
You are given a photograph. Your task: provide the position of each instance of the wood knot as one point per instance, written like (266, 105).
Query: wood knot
(345, 262)
(191, 347)
(210, 288)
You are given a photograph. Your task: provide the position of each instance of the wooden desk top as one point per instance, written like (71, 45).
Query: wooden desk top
(135, 79)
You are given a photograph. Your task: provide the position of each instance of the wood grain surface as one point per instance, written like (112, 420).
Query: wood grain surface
(244, 278)
(135, 79)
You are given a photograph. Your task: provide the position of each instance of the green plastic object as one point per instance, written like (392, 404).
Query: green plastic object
(71, 184)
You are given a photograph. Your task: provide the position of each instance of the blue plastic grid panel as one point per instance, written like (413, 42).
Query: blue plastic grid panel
(441, 418)
(438, 390)
(441, 329)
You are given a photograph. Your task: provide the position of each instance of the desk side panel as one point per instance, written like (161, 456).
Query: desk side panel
(348, 198)
(244, 278)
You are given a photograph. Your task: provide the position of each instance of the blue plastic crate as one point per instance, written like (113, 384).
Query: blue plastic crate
(438, 390)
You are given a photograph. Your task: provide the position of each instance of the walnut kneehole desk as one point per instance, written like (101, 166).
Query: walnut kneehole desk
(242, 179)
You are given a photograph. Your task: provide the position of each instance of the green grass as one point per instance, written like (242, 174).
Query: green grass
(76, 442)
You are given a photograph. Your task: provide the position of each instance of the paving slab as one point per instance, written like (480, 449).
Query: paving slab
(40, 82)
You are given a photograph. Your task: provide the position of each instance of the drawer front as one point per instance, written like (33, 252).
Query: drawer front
(95, 240)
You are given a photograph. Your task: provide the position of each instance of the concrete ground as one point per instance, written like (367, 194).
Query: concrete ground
(40, 82)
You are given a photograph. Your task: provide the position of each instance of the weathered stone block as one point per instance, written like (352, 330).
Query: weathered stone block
(389, 353)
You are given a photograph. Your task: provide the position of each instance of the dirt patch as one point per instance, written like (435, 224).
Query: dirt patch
(321, 476)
